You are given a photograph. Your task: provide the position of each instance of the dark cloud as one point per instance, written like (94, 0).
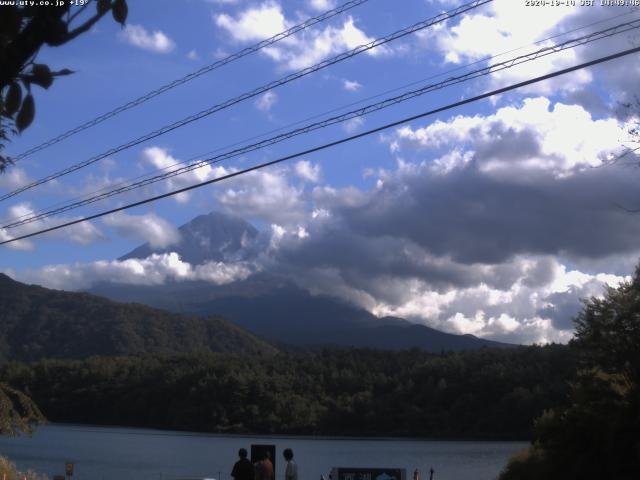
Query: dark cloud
(505, 143)
(475, 217)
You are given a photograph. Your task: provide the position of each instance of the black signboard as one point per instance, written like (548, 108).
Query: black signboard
(370, 474)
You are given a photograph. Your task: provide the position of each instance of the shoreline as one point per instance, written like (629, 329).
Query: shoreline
(100, 428)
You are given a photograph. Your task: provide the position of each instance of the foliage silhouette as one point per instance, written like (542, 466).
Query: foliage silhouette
(597, 434)
(24, 29)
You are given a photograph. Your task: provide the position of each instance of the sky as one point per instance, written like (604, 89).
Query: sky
(493, 219)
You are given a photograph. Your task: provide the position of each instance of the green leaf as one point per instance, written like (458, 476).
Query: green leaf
(41, 75)
(13, 99)
(26, 114)
(120, 11)
(103, 6)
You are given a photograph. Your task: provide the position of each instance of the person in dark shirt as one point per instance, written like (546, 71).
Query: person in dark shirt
(243, 468)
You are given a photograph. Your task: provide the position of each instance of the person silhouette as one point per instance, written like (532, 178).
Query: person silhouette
(264, 468)
(291, 471)
(243, 468)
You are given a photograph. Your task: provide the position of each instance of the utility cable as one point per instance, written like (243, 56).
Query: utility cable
(335, 143)
(253, 93)
(572, 43)
(319, 115)
(193, 75)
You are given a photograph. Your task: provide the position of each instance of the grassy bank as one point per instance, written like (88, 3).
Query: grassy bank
(8, 471)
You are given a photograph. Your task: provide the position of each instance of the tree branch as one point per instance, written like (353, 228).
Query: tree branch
(85, 27)
(80, 10)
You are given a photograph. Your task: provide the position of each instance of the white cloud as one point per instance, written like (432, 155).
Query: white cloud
(520, 312)
(308, 171)
(255, 23)
(17, 244)
(149, 227)
(265, 195)
(138, 36)
(266, 101)
(314, 46)
(353, 124)
(504, 25)
(193, 55)
(351, 85)
(497, 27)
(293, 53)
(322, 5)
(153, 270)
(552, 137)
(83, 233)
(13, 178)
(160, 158)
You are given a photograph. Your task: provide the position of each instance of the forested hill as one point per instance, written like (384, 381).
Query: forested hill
(485, 393)
(37, 322)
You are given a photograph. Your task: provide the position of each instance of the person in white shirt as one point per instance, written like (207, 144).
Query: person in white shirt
(291, 471)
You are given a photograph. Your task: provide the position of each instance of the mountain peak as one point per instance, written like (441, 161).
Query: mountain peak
(216, 236)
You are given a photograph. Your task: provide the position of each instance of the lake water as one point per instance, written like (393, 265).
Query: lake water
(103, 453)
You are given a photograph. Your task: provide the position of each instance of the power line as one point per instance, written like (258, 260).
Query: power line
(193, 75)
(245, 96)
(313, 117)
(571, 43)
(334, 143)
(124, 186)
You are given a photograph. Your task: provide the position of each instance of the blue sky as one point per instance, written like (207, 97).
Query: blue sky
(491, 219)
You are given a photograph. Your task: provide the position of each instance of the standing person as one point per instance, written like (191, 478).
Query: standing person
(264, 468)
(243, 468)
(291, 471)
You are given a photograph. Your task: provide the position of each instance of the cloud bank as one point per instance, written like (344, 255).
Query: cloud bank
(494, 225)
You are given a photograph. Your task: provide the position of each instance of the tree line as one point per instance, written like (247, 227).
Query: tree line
(488, 393)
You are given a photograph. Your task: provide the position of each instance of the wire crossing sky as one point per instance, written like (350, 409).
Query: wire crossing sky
(187, 78)
(97, 195)
(416, 27)
(571, 43)
(335, 143)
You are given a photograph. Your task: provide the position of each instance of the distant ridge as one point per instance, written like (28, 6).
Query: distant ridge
(37, 322)
(281, 312)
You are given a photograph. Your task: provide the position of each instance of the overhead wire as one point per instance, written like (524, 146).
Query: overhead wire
(343, 140)
(371, 97)
(388, 102)
(313, 117)
(193, 75)
(257, 91)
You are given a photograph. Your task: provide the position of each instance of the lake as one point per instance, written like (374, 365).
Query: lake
(105, 453)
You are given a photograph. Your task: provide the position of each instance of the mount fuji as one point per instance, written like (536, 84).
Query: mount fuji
(269, 304)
